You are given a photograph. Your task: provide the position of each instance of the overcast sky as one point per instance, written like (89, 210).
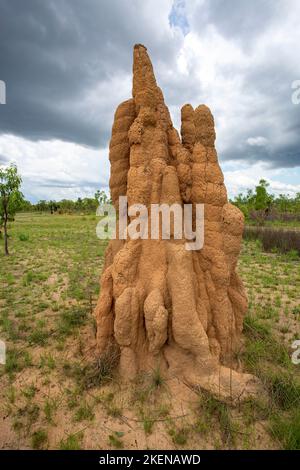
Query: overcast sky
(67, 64)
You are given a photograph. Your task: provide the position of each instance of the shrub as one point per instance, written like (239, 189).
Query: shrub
(23, 237)
(95, 373)
(285, 241)
(102, 371)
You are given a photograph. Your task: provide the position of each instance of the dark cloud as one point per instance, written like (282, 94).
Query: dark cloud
(267, 35)
(241, 20)
(272, 113)
(55, 54)
(67, 65)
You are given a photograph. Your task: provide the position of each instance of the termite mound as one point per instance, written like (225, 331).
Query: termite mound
(160, 304)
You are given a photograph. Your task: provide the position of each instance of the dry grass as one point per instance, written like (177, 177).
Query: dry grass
(54, 393)
(275, 239)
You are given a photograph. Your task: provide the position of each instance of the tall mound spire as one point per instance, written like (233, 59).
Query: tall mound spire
(161, 305)
(143, 74)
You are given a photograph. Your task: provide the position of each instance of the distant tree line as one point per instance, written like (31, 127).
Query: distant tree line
(87, 205)
(259, 205)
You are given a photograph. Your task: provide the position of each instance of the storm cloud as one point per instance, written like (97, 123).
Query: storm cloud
(61, 59)
(67, 65)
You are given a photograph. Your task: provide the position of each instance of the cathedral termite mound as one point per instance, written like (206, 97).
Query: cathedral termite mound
(160, 304)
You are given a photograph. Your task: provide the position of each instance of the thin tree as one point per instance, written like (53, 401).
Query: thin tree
(101, 197)
(10, 198)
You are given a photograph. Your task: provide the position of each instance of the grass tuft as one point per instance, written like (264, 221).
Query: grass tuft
(72, 442)
(39, 439)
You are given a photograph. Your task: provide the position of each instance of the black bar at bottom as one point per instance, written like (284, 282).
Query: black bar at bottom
(136, 459)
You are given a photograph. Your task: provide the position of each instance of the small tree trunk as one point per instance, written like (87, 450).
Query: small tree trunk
(5, 237)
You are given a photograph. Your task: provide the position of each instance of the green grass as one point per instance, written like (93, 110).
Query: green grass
(84, 412)
(47, 361)
(51, 381)
(38, 337)
(39, 439)
(179, 435)
(157, 378)
(71, 319)
(115, 440)
(48, 288)
(287, 430)
(50, 408)
(148, 425)
(23, 237)
(72, 442)
(213, 411)
(284, 389)
(267, 354)
(29, 392)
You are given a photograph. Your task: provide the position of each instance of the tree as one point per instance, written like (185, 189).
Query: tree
(11, 198)
(78, 204)
(42, 205)
(102, 197)
(262, 198)
(262, 201)
(53, 206)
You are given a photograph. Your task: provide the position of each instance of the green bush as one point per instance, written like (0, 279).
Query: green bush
(23, 237)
